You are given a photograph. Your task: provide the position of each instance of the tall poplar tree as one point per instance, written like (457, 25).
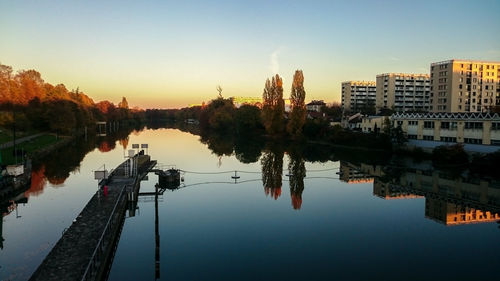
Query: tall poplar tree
(297, 103)
(273, 107)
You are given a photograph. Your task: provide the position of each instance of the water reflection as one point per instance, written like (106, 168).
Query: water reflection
(26, 239)
(9, 204)
(272, 171)
(391, 178)
(296, 173)
(57, 167)
(449, 199)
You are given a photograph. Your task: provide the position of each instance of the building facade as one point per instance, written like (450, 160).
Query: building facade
(358, 95)
(464, 86)
(372, 124)
(471, 128)
(239, 101)
(315, 105)
(403, 92)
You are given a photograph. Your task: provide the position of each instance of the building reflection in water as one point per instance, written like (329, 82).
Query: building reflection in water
(448, 200)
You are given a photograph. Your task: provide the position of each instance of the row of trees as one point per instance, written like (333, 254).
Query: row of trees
(28, 102)
(221, 116)
(273, 107)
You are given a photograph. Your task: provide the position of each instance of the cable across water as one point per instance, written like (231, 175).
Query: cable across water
(250, 172)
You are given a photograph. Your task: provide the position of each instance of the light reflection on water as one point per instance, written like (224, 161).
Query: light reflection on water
(316, 224)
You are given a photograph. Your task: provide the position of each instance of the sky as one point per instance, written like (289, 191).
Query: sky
(169, 54)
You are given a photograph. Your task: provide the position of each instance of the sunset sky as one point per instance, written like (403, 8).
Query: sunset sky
(173, 53)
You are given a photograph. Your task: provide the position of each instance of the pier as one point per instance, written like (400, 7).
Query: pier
(87, 247)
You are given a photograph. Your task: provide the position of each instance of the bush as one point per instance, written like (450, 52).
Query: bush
(449, 156)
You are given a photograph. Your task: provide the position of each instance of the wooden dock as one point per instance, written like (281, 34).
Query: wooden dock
(86, 249)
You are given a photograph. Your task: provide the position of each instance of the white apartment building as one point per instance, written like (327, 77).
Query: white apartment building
(403, 92)
(358, 95)
(464, 86)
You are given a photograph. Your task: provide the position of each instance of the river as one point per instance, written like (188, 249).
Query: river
(294, 213)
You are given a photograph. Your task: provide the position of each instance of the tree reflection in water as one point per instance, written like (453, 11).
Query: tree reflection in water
(272, 171)
(297, 173)
(56, 167)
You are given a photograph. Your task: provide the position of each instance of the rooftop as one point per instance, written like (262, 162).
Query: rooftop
(466, 61)
(448, 115)
(403, 74)
(364, 83)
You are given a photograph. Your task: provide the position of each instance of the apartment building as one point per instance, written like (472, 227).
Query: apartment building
(403, 92)
(464, 86)
(469, 128)
(358, 95)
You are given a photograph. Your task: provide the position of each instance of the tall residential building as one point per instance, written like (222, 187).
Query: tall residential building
(403, 92)
(358, 95)
(464, 86)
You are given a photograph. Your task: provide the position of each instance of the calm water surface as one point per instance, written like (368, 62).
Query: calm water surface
(284, 219)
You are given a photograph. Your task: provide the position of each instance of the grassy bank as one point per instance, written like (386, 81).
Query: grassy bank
(6, 135)
(30, 148)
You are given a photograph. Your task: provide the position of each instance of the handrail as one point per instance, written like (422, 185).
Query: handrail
(94, 256)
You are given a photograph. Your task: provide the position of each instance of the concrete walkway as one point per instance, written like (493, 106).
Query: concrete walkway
(19, 140)
(69, 258)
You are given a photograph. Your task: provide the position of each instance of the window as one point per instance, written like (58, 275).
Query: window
(412, 123)
(445, 125)
(448, 139)
(412, 137)
(474, 125)
(428, 138)
(473, 141)
(429, 124)
(495, 126)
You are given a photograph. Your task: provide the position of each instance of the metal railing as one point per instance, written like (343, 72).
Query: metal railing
(93, 266)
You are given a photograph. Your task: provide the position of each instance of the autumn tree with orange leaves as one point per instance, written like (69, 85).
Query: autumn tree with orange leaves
(273, 106)
(45, 107)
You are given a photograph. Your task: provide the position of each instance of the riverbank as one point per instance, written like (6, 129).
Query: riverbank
(32, 147)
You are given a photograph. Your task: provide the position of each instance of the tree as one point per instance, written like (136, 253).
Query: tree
(248, 119)
(30, 86)
(218, 116)
(5, 81)
(219, 89)
(61, 116)
(297, 98)
(273, 107)
(334, 111)
(123, 104)
(387, 126)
